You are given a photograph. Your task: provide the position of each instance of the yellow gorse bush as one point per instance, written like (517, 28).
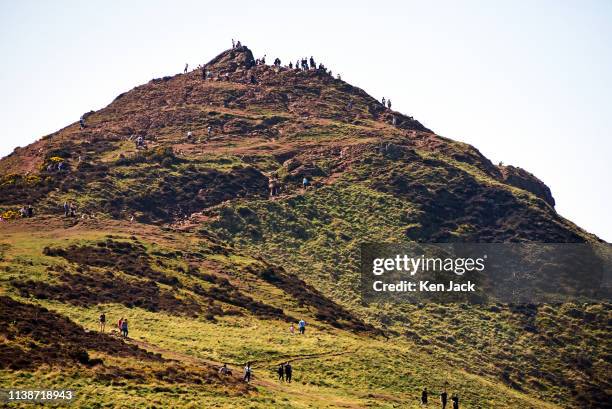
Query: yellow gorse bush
(10, 214)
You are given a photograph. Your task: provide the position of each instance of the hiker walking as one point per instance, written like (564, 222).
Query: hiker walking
(203, 73)
(305, 182)
(124, 328)
(312, 63)
(389, 103)
(224, 370)
(443, 398)
(288, 372)
(424, 397)
(248, 372)
(281, 372)
(455, 400)
(120, 324)
(383, 101)
(233, 43)
(82, 122)
(209, 131)
(292, 329)
(302, 327)
(185, 70)
(273, 186)
(66, 209)
(72, 210)
(102, 322)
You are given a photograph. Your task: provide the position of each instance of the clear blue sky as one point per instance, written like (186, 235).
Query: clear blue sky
(528, 83)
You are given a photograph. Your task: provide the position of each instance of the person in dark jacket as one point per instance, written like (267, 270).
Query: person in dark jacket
(288, 372)
(281, 372)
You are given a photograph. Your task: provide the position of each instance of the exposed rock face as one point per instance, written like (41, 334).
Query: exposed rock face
(231, 60)
(524, 180)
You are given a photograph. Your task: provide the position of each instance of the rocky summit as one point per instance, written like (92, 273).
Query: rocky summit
(182, 206)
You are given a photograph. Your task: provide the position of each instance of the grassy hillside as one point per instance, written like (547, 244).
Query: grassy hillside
(184, 240)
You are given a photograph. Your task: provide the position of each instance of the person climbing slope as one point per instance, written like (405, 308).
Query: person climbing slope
(120, 325)
(281, 372)
(424, 395)
(288, 372)
(248, 372)
(102, 322)
(124, 328)
(302, 327)
(185, 70)
(444, 398)
(455, 400)
(224, 370)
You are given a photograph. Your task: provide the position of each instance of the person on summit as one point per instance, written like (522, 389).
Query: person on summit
(389, 103)
(233, 43)
(186, 67)
(102, 322)
(82, 122)
(312, 63)
(383, 101)
(424, 395)
(302, 327)
(281, 372)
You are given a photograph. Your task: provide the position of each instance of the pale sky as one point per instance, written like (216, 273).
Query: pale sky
(528, 83)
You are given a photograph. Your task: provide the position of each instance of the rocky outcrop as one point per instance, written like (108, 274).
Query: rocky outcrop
(232, 59)
(522, 179)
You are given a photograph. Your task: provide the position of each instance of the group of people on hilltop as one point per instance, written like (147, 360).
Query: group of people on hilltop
(443, 398)
(388, 102)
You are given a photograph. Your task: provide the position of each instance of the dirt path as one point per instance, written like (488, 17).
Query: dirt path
(306, 395)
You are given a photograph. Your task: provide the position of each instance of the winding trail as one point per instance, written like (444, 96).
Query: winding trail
(308, 394)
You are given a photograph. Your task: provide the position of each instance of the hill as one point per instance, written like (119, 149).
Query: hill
(175, 229)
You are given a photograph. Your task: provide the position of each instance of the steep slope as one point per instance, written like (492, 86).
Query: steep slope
(208, 251)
